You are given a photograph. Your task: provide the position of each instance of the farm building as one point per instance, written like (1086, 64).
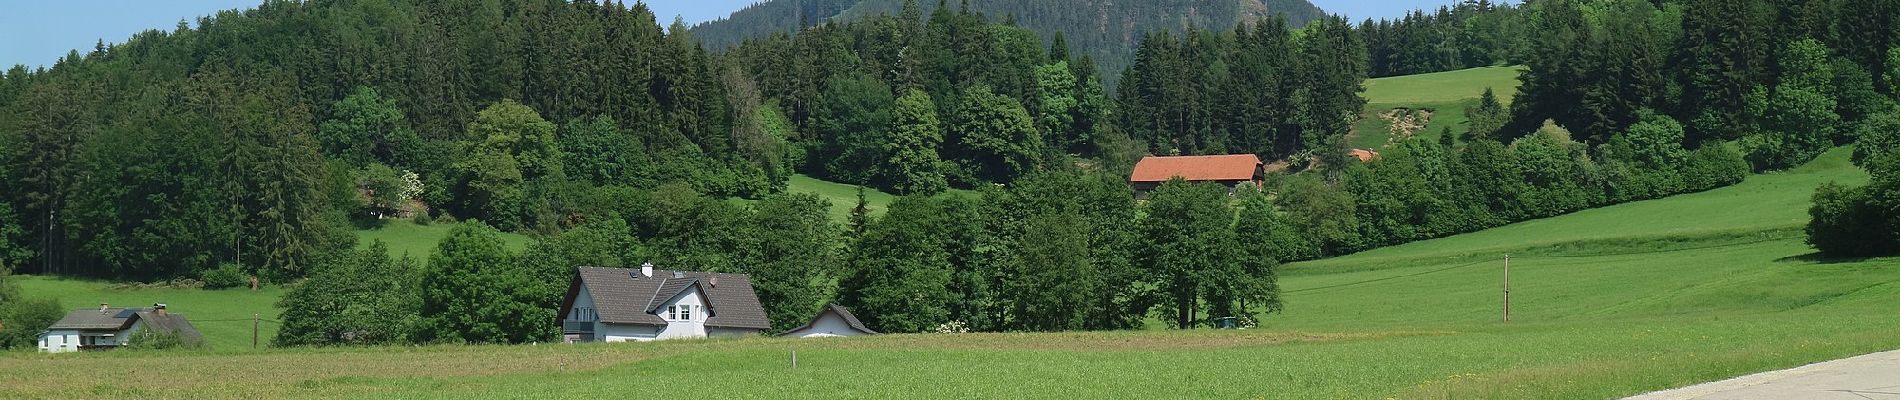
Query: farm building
(106, 328)
(1230, 170)
(624, 304)
(833, 321)
(1365, 155)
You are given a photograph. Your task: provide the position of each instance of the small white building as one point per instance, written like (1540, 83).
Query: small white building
(106, 328)
(622, 304)
(833, 321)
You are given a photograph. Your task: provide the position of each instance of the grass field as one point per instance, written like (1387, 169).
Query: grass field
(842, 196)
(845, 196)
(1605, 303)
(1447, 93)
(418, 241)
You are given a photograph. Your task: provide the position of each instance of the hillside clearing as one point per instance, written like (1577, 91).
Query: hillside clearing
(418, 241)
(1447, 94)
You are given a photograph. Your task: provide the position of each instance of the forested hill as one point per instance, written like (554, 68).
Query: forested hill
(765, 18)
(1106, 30)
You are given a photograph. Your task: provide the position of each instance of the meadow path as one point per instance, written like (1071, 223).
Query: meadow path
(1872, 376)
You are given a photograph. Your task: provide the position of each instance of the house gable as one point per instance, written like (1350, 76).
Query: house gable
(834, 320)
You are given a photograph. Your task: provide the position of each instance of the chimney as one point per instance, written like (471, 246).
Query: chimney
(679, 275)
(646, 269)
(714, 282)
(103, 307)
(159, 309)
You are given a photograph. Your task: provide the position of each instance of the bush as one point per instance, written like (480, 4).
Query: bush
(225, 276)
(363, 298)
(152, 338)
(25, 318)
(424, 219)
(1712, 166)
(1848, 223)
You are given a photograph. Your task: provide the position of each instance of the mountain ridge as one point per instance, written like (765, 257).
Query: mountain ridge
(1107, 30)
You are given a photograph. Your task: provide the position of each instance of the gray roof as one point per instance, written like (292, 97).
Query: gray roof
(620, 298)
(172, 323)
(842, 312)
(93, 319)
(119, 319)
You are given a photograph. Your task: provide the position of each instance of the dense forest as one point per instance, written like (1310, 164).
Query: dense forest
(254, 142)
(1103, 30)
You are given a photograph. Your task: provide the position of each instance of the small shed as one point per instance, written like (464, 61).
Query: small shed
(1365, 155)
(833, 321)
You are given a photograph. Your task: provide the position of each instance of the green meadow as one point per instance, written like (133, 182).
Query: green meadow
(1604, 303)
(418, 241)
(1445, 94)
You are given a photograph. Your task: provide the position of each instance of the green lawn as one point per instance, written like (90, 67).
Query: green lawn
(1605, 303)
(418, 241)
(1447, 93)
(845, 196)
(842, 196)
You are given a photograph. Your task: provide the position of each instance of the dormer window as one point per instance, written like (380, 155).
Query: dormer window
(679, 313)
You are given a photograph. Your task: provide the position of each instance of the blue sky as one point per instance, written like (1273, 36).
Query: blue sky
(37, 33)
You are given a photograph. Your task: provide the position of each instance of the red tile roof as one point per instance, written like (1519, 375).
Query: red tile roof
(1239, 167)
(1365, 155)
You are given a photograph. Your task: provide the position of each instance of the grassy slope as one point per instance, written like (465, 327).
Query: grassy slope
(1606, 303)
(1447, 92)
(845, 196)
(418, 241)
(842, 196)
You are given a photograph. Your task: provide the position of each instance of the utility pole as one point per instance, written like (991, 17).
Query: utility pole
(253, 331)
(1507, 288)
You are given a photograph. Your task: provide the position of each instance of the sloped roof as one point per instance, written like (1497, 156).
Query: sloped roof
(851, 320)
(172, 323)
(92, 319)
(118, 319)
(622, 298)
(1364, 155)
(1237, 167)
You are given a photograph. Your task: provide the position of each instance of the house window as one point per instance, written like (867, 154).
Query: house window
(686, 313)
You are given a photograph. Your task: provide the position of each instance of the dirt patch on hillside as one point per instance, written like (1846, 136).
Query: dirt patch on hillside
(1406, 122)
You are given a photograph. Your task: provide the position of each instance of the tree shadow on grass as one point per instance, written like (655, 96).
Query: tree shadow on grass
(1825, 259)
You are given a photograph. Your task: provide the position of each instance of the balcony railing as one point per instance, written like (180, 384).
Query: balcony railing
(577, 326)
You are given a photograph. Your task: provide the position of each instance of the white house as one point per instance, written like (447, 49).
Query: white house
(106, 328)
(622, 304)
(834, 321)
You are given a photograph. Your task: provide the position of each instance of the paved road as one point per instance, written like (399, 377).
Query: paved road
(1868, 377)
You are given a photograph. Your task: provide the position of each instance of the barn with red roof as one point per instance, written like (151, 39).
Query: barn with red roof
(1231, 170)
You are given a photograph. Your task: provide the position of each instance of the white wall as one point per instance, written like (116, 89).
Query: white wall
(829, 324)
(694, 327)
(582, 299)
(61, 341)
